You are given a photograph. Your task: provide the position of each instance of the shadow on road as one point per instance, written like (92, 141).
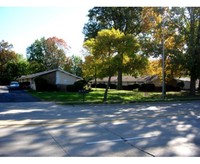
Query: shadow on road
(170, 129)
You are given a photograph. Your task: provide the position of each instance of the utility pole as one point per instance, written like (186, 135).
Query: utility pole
(163, 58)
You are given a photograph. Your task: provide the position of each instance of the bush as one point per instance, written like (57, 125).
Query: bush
(147, 87)
(126, 87)
(135, 86)
(101, 85)
(172, 88)
(113, 86)
(131, 87)
(79, 85)
(71, 88)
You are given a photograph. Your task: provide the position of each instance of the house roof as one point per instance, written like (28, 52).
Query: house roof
(129, 79)
(46, 72)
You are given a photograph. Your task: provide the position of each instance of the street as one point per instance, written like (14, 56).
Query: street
(129, 130)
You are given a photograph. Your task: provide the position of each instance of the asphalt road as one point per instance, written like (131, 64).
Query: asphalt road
(117, 130)
(15, 95)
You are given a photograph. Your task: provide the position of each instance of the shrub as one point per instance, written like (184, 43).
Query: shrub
(147, 87)
(135, 86)
(79, 85)
(71, 88)
(113, 86)
(172, 88)
(125, 87)
(101, 85)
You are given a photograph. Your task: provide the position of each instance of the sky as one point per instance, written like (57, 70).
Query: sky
(21, 26)
(24, 21)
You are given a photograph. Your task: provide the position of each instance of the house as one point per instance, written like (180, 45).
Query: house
(56, 77)
(186, 81)
(130, 80)
(149, 79)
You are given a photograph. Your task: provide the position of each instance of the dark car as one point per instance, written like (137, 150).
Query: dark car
(14, 85)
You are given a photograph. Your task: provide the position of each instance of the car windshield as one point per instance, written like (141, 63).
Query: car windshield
(14, 83)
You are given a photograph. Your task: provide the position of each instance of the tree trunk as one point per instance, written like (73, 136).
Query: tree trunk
(95, 77)
(192, 85)
(119, 80)
(199, 85)
(106, 91)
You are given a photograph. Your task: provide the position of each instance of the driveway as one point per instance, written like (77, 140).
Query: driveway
(15, 95)
(129, 130)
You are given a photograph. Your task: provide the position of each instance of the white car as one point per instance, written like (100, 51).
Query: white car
(14, 85)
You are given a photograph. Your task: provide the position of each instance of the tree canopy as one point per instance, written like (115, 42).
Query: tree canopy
(179, 27)
(126, 19)
(6, 57)
(47, 54)
(118, 41)
(106, 51)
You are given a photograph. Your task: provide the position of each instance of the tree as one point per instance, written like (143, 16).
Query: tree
(17, 68)
(73, 65)
(103, 48)
(6, 56)
(161, 30)
(76, 67)
(182, 38)
(112, 51)
(47, 53)
(91, 68)
(155, 68)
(192, 35)
(12, 65)
(126, 58)
(68, 64)
(187, 23)
(125, 19)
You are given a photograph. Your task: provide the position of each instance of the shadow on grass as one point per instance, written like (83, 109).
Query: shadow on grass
(114, 96)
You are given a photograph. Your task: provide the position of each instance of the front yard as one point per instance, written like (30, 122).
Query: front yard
(114, 96)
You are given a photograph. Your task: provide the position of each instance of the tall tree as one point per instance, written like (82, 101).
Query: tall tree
(76, 67)
(155, 68)
(181, 33)
(17, 67)
(126, 19)
(6, 56)
(160, 32)
(107, 49)
(126, 58)
(91, 68)
(192, 36)
(103, 47)
(47, 53)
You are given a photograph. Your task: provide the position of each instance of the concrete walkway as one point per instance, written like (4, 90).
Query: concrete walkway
(144, 130)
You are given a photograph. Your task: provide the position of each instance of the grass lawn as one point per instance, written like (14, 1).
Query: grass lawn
(114, 96)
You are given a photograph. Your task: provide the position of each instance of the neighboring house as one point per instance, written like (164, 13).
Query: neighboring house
(150, 79)
(130, 80)
(186, 81)
(56, 77)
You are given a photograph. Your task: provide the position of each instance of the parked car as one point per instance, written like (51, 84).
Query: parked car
(14, 85)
